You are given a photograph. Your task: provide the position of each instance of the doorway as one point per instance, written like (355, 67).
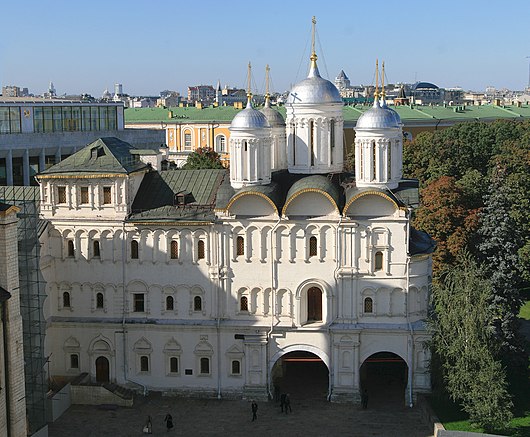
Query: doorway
(384, 377)
(301, 374)
(102, 370)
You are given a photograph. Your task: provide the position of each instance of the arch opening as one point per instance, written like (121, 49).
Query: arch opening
(384, 377)
(102, 370)
(302, 375)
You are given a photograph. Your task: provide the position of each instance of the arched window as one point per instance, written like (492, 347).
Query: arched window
(174, 249)
(313, 246)
(71, 249)
(134, 249)
(378, 261)
(170, 303)
(66, 299)
(240, 246)
(236, 367)
(74, 361)
(331, 139)
(187, 140)
(200, 249)
(245, 145)
(361, 162)
(174, 365)
(220, 143)
(99, 300)
(312, 141)
(144, 363)
(314, 304)
(205, 366)
(243, 303)
(95, 246)
(368, 305)
(197, 303)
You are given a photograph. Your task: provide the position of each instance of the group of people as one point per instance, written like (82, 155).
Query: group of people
(148, 428)
(285, 406)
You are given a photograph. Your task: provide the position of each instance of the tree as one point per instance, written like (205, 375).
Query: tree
(502, 240)
(203, 157)
(466, 348)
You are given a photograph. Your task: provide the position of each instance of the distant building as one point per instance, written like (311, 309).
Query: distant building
(426, 93)
(37, 133)
(201, 93)
(342, 81)
(14, 91)
(401, 98)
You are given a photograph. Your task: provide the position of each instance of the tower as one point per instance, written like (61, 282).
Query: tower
(378, 145)
(314, 123)
(277, 124)
(250, 146)
(218, 94)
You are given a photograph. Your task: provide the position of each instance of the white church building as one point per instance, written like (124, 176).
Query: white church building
(233, 283)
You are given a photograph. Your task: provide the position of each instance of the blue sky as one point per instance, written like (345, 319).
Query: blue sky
(149, 46)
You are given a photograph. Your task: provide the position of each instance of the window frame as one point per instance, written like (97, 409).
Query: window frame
(136, 302)
(84, 195)
(135, 249)
(205, 361)
(106, 191)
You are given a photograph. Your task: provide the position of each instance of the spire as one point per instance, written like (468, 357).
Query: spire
(249, 92)
(267, 95)
(383, 94)
(313, 70)
(376, 93)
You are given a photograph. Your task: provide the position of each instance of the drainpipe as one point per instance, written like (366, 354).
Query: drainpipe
(273, 306)
(411, 355)
(6, 366)
(335, 276)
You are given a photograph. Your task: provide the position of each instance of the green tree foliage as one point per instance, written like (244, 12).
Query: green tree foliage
(203, 157)
(465, 349)
(502, 240)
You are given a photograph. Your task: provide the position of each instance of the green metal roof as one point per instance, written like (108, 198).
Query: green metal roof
(408, 114)
(155, 200)
(105, 155)
(312, 183)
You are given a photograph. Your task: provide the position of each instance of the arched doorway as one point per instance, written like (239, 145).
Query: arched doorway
(301, 374)
(314, 304)
(384, 377)
(102, 370)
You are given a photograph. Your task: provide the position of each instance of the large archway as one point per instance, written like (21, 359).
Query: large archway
(302, 374)
(384, 377)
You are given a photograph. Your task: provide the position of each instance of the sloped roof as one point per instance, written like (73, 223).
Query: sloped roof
(105, 155)
(155, 200)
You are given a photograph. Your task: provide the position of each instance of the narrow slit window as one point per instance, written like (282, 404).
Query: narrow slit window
(99, 300)
(66, 299)
(200, 249)
(374, 161)
(312, 141)
(174, 365)
(134, 249)
(313, 246)
(243, 304)
(74, 361)
(197, 303)
(95, 246)
(378, 262)
(331, 140)
(361, 162)
(236, 367)
(205, 366)
(144, 363)
(368, 305)
(170, 303)
(71, 248)
(174, 250)
(294, 144)
(389, 162)
(240, 246)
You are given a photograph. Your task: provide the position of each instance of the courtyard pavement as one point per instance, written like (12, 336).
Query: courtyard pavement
(208, 417)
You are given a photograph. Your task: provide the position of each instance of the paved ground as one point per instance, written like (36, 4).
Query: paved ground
(193, 417)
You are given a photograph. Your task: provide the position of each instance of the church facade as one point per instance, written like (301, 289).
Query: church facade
(210, 282)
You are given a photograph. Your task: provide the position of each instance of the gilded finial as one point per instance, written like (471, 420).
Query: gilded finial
(376, 93)
(383, 80)
(313, 56)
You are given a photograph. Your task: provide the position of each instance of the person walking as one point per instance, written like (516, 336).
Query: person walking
(282, 401)
(254, 411)
(287, 404)
(364, 399)
(169, 422)
(148, 428)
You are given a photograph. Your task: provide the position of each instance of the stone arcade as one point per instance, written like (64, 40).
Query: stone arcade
(221, 283)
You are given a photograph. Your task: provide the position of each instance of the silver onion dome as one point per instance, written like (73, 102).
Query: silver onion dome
(378, 118)
(385, 106)
(274, 118)
(249, 118)
(314, 89)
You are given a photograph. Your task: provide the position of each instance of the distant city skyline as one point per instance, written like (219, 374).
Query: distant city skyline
(159, 45)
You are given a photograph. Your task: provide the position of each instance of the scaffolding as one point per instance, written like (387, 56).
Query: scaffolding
(32, 295)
